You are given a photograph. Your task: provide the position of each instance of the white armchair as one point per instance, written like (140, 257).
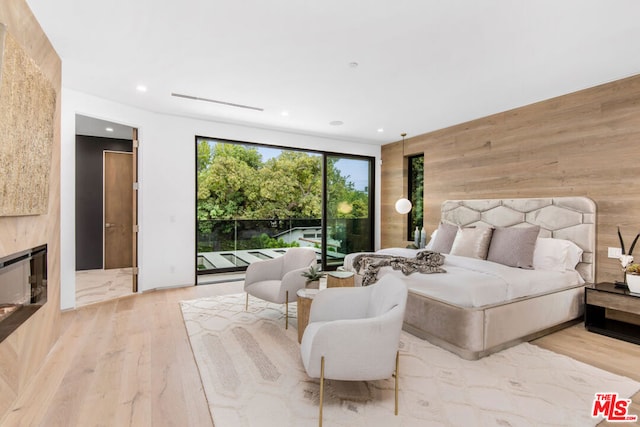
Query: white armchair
(277, 280)
(354, 333)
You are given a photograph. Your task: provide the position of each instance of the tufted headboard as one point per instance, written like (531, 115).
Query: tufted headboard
(570, 218)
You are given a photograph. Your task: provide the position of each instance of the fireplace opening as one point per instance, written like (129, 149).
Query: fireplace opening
(23, 287)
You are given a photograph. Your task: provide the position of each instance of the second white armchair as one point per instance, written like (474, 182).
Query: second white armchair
(354, 334)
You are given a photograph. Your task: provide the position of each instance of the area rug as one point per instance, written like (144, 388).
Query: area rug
(253, 376)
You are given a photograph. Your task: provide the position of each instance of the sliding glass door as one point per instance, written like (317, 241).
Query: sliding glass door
(255, 201)
(348, 206)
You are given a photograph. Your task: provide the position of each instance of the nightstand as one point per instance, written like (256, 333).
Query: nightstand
(612, 311)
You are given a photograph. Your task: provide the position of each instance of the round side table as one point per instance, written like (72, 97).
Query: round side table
(305, 298)
(340, 279)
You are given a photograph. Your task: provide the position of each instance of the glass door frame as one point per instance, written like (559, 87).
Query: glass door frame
(324, 211)
(325, 198)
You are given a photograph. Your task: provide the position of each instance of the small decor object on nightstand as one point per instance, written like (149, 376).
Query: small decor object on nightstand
(633, 278)
(625, 259)
(313, 276)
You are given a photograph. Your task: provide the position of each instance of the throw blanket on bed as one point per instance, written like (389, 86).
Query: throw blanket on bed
(425, 262)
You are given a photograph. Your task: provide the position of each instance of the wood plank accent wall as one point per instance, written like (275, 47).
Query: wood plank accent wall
(22, 353)
(582, 144)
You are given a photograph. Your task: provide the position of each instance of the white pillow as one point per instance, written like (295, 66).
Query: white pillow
(433, 236)
(556, 254)
(574, 255)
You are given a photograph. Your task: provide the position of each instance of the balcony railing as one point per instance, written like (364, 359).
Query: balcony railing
(231, 245)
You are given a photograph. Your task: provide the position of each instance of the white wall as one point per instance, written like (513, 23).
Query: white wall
(167, 184)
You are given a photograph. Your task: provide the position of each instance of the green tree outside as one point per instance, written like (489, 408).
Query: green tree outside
(235, 183)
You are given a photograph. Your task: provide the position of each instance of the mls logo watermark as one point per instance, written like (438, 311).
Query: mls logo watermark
(613, 408)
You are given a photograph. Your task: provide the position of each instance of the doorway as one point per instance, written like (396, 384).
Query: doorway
(117, 207)
(106, 204)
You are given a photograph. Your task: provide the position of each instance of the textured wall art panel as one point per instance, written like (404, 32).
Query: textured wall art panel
(27, 107)
(3, 31)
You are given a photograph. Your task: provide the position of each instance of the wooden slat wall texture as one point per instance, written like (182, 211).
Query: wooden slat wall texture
(582, 144)
(22, 353)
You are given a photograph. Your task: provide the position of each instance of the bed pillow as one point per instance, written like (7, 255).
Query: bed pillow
(444, 237)
(513, 246)
(556, 254)
(574, 255)
(472, 242)
(431, 239)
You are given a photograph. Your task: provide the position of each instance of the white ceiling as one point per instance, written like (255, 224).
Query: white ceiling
(422, 64)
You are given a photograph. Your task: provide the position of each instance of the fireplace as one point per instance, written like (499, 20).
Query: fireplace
(23, 287)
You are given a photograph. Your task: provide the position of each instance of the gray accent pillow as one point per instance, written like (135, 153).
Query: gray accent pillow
(444, 238)
(472, 242)
(514, 246)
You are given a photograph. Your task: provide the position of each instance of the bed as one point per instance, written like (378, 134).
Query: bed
(462, 312)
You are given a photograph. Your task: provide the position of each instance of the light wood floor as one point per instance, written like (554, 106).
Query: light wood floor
(94, 286)
(128, 362)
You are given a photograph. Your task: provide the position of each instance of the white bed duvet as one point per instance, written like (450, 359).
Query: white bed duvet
(471, 282)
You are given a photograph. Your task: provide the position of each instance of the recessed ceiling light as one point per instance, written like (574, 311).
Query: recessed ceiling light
(353, 64)
(380, 130)
(109, 129)
(284, 113)
(336, 123)
(141, 88)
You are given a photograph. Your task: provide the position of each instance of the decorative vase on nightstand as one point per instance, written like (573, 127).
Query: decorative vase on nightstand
(633, 278)
(633, 282)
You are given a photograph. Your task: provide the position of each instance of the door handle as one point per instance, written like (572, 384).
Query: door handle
(109, 225)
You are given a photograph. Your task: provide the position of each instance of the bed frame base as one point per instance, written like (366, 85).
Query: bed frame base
(475, 355)
(473, 333)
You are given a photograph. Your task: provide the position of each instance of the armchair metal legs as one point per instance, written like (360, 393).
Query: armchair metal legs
(286, 308)
(395, 376)
(321, 390)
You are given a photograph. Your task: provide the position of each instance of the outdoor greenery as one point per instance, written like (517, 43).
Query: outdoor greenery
(264, 241)
(245, 202)
(234, 183)
(416, 188)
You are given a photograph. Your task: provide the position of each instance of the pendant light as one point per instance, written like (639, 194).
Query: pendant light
(403, 205)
